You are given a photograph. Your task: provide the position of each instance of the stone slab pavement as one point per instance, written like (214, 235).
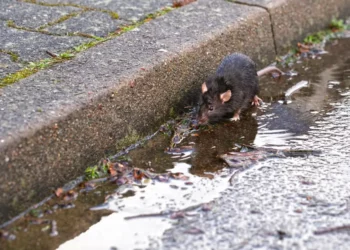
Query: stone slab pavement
(30, 28)
(60, 120)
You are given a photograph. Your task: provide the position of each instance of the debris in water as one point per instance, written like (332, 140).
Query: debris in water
(100, 207)
(182, 151)
(7, 236)
(174, 186)
(296, 87)
(87, 187)
(178, 215)
(333, 82)
(333, 230)
(206, 207)
(179, 176)
(194, 230)
(70, 195)
(310, 50)
(291, 73)
(46, 228)
(39, 222)
(162, 178)
(54, 231)
(166, 213)
(251, 155)
(66, 206)
(242, 159)
(138, 174)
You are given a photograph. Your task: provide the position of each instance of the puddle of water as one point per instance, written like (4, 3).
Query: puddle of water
(114, 230)
(272, 125)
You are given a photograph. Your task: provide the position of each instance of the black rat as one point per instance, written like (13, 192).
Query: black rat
(232, 89)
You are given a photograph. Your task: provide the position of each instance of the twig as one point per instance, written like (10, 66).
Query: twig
(147, 215)
(332, 230)
(51, 54)
(234, 174)
(163, 213)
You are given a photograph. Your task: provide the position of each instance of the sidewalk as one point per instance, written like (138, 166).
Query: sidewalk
(61, 119)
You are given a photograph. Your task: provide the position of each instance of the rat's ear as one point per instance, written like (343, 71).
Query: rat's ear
(225, 97)
(204, 88)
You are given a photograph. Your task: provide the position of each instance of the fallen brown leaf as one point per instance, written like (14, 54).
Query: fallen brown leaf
(112, 171)
(59, 192)
(138, 174)
(180, 3)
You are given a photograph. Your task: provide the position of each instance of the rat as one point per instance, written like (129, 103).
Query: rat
(231, 89)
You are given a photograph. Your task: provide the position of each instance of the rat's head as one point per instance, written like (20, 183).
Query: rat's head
(214, 102)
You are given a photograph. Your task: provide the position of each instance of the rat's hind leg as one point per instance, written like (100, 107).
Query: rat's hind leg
(236, 116)
(256, 100)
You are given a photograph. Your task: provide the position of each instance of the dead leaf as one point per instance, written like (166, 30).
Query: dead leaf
(59, 192)
(112, 171)
(70, 195)
(180, 3)
(303, 48)
(138, 174)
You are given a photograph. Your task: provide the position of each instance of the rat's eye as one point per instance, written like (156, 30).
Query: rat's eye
(210, 107)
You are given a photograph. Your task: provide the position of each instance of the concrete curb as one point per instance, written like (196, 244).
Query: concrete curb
(126, 84)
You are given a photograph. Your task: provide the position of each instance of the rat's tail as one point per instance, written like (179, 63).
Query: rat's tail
(270, 69)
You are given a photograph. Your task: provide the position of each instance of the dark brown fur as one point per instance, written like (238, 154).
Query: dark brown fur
(237, 77)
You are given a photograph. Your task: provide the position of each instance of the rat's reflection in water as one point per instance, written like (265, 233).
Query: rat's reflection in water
(218, 139)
